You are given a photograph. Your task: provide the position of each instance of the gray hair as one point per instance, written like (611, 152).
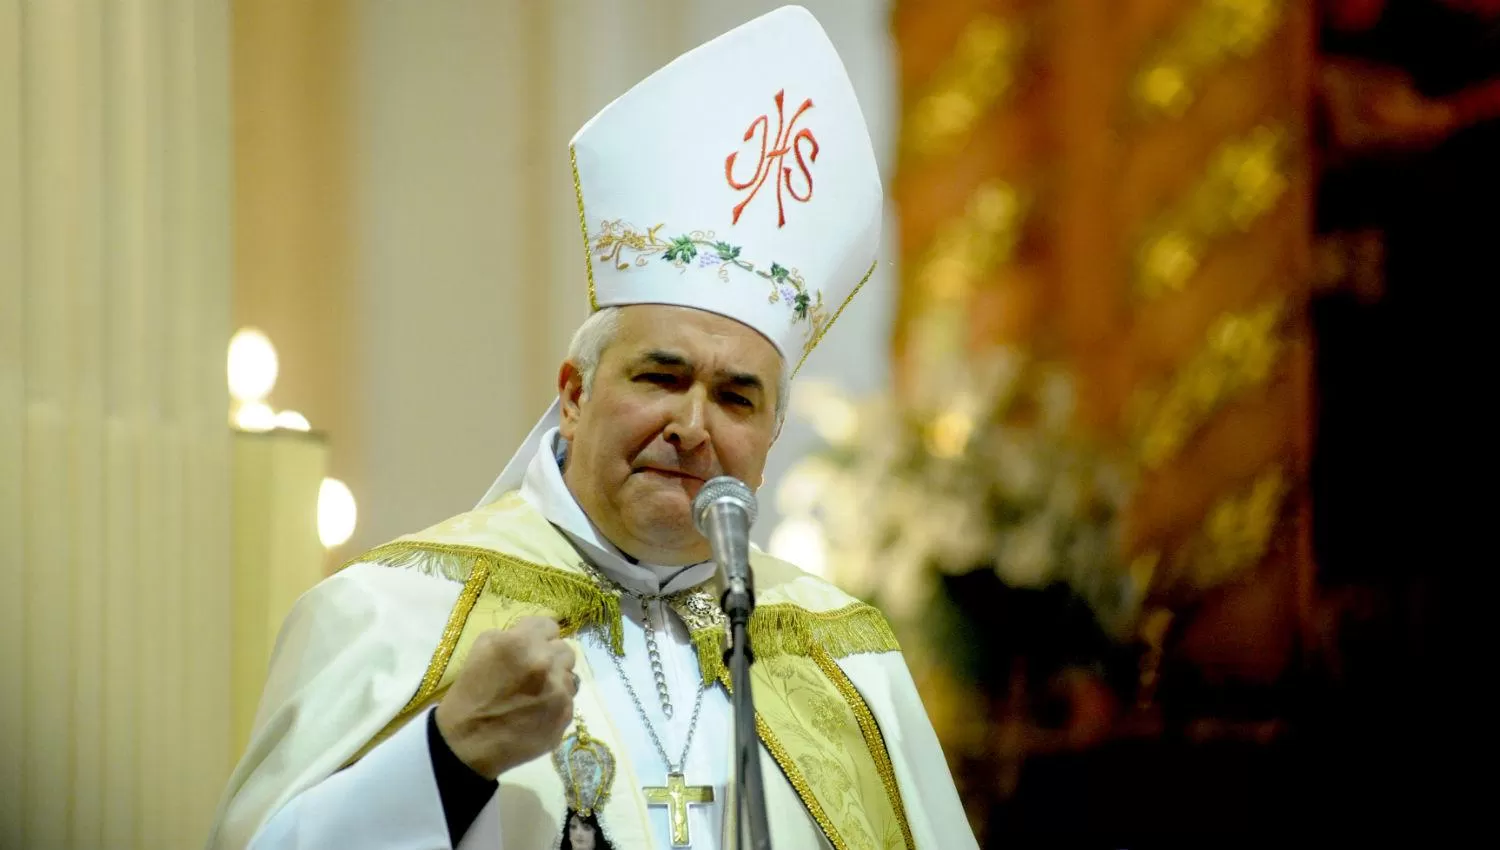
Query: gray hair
(599, 330)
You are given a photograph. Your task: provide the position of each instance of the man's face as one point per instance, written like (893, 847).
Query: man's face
(679, 397)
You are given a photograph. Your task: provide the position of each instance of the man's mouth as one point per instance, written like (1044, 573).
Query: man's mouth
(670, 473)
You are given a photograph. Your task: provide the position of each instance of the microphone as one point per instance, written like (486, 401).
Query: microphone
(723, 512)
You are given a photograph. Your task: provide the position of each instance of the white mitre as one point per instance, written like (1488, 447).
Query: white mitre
(738, 179)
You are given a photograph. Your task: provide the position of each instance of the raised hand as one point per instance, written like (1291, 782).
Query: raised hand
(513, 699)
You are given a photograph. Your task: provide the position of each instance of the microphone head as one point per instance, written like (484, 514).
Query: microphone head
(723, 489)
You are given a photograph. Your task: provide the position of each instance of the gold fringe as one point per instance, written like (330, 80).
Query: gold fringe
(776, 629)
(710, 645)
(440, 561)
(785, 629)
(576, 600)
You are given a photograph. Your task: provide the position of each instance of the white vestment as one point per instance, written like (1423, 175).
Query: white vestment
(355, 646)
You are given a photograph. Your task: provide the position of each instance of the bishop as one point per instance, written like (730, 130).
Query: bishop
(545, 670)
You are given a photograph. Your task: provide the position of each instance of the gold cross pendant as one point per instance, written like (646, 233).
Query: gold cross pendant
(677, 796)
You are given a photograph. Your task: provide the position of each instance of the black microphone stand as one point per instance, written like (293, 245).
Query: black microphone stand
(750, 796)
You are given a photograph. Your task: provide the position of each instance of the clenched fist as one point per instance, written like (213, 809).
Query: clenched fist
(512, 700)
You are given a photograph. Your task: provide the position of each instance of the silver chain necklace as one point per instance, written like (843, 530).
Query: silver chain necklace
(654, 653)
(676, 795)
(648, 624)
(672, 767)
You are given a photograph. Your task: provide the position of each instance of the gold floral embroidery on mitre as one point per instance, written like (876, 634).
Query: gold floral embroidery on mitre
(626, 246)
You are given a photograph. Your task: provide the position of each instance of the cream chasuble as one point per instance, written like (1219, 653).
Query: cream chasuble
(337, 759)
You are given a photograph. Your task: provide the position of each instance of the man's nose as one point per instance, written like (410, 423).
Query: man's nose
(686, 429)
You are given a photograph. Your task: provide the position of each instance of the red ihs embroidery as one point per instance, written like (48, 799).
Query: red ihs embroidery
(772, 159)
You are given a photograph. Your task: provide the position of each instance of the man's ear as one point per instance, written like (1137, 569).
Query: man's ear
(570, 395)
(760, 480)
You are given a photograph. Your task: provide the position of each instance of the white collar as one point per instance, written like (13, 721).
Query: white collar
(544, 488)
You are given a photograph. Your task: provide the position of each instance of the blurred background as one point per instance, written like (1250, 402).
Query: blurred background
(1151, 433)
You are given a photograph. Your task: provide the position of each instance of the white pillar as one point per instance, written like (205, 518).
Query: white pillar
(114, 496)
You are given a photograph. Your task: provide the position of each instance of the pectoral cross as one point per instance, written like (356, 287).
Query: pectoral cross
(677, 796)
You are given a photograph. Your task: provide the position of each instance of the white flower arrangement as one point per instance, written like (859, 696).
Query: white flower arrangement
(983, 472)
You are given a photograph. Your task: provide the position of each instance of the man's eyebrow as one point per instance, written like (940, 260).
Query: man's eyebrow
(743, 379)
(657, 357)
(673, 360)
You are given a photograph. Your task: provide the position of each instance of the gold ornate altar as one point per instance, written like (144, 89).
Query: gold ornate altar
(1124, 187)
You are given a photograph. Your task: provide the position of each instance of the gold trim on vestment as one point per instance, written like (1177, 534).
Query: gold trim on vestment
(874, 741)
(478, 575)
(427, 690)
(823, 331)
(869, 730)
(793, 774)
(583, 227)
(798, 782)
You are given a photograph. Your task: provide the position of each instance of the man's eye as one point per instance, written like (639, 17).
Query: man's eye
(661, 378)
(738, 400)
